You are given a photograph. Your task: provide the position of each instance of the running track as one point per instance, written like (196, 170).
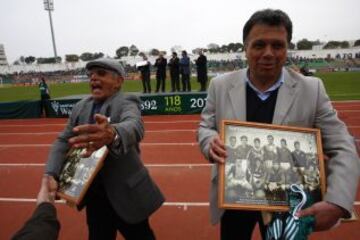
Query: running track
(171, 153)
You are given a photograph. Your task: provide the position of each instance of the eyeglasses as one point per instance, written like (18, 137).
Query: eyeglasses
(98, 71)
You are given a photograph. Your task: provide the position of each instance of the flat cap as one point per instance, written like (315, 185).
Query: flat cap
(107, 63)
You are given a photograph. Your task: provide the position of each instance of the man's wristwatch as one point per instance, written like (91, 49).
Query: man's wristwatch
(116, 140)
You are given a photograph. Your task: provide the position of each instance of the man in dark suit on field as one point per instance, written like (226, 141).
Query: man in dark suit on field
(174, 66)
(123, 195)
(144, 69)
(201, 67)
(160, 64)
(185, 72)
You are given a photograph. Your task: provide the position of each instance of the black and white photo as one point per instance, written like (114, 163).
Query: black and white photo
(264, 160)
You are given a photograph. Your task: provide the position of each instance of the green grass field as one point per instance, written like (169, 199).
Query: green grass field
(339, 85)
(342, 85)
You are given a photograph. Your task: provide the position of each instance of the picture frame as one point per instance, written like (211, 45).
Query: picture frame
(78, 173)
(263, 160)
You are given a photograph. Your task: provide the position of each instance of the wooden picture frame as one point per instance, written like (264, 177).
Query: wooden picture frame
(258, 169)
(78, 173)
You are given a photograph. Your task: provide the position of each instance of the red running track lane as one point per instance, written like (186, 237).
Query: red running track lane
(163, 136)
(190, 223)
(191, 184)
(151, 136)
(175, 154)
(41, 127)
(181, 223)
(179, 184)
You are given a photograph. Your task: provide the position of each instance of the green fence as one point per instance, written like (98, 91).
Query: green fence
(20, 109)
(161, 104)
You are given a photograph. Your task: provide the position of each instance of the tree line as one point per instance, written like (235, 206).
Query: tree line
(132, 50)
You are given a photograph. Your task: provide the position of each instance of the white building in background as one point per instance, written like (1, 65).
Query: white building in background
(339, 53)
(3, 60)
(5, 68)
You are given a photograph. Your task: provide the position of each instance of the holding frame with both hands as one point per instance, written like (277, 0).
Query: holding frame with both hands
(264, 160)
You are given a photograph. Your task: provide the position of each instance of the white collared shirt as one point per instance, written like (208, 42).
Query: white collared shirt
(265, 95)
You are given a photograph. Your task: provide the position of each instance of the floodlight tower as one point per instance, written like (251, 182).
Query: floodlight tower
(49, 6)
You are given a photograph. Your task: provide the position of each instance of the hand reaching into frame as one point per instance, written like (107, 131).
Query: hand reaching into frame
(93, 136)
(48, 190)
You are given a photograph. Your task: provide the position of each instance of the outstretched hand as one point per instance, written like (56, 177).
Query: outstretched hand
(93, 136)
(327, 215)
(48, 190)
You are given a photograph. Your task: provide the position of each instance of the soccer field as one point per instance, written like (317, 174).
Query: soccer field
(339, 85)
(342, 85)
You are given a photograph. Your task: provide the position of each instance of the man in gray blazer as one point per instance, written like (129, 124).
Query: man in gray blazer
(123, 195)
(270, 93)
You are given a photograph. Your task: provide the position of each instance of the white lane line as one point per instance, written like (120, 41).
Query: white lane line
(189, 165)
(63, 124)
(29, 133)
(146, 131)
(173, 165)
(142, 144)
(32, 125)
(170, 130)
(22, 164)
(172, 121)
(187, 204)
(25, 145)
(347, 101)
(348, 111)
(172, 204)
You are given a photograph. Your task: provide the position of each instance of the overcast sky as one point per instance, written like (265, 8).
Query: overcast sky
(94, 25)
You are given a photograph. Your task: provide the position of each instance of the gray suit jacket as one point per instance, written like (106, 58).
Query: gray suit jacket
(128, 185)
(301, 101)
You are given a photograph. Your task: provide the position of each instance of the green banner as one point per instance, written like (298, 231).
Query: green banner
(60, 108)
(20, 109)
(182, 103)
(161, 104)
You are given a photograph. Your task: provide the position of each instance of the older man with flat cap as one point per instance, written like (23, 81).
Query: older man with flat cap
(123, 195)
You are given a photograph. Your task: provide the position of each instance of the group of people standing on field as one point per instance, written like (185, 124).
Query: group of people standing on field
(178, 68)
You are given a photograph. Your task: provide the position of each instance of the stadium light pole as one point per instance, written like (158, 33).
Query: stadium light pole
(49, 6)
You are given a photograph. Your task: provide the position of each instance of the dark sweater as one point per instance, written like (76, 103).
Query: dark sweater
(258, 110)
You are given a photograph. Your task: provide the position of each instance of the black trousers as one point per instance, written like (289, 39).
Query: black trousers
(146, 83)
(43, 100)
(103, 222)
(239, 225)
(160, 82)
(203, 85)
(175, 82)
(185, 79)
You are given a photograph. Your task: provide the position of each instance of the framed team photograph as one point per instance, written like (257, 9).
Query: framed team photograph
(264, 160)
(78, 173)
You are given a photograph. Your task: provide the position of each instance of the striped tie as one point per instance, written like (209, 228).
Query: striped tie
(287, 226)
